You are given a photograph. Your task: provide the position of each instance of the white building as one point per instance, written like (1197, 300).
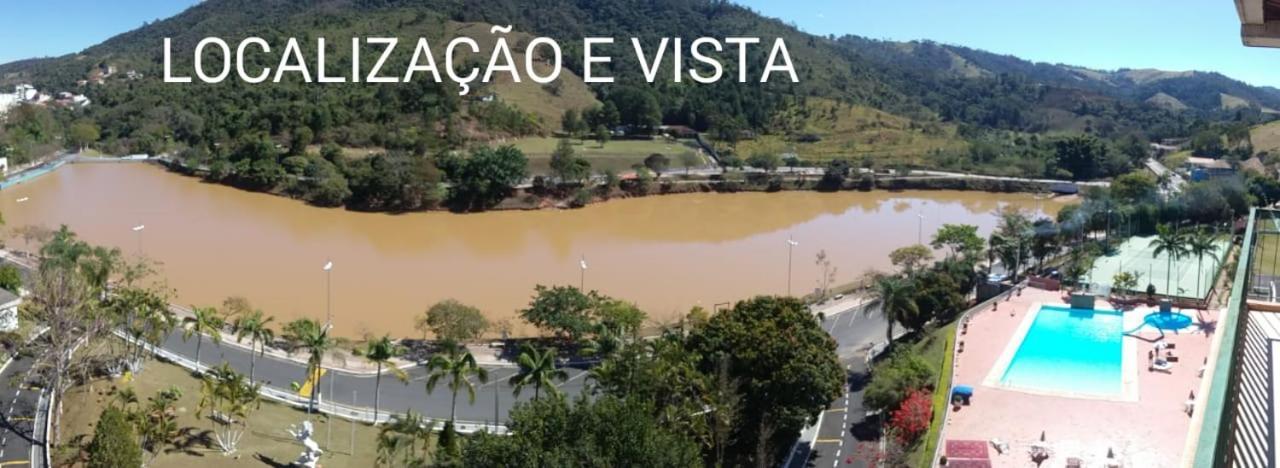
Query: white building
(9, 303)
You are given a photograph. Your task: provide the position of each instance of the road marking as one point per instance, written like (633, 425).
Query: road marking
(827, 441)
(837, 409)
(15, 462)
(20, 418)
(571, 379)
(305, 389)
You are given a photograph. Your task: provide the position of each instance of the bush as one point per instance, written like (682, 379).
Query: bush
(114, 445)
(895, 379)
(912, 417)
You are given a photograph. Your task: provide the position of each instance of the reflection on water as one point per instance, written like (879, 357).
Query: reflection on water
(665, 253)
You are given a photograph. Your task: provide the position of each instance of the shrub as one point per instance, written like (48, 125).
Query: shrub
(912, 417)
(894, 380)
(114, 445)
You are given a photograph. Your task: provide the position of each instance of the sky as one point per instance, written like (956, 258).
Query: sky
(1107, 34)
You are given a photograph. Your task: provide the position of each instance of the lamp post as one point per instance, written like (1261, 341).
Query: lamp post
(582, 273)
(920, 228)
(328, 292)
(791, 245)
(138, 231)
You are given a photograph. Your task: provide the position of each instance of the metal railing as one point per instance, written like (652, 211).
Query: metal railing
(348, 412)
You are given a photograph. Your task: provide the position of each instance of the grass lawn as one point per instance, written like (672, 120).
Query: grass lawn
(936, 349)
(265, 443)
(618, 155)
(853, 132)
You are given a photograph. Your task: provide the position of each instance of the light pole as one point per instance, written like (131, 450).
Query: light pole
(582, 273)
(920, 228)
(138, 230)
(791, 245)
(328, 292)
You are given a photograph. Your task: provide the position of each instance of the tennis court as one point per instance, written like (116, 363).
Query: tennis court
(1136, 256)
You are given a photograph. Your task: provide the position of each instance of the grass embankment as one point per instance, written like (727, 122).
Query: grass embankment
(936, 349)
(618, 155)
(266, 442)
(849, 131)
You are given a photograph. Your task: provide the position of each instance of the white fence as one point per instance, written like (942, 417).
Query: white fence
(361, 414)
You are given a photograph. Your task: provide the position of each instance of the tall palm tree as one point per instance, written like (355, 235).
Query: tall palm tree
(1201, 242)
(204, 321)
(256, 327)
(457, 365)
(398, 441)
(381, 351)
(309, 336)
(896, 301)
(537, 368)
(1172, 243)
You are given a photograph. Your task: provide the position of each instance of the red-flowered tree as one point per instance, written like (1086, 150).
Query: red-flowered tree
(912, 417)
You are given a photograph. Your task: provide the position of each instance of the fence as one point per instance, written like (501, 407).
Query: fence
(981, 306)
(360, 414)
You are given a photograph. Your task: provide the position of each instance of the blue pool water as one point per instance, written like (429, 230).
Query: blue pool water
(1168, 321)
(1070, 350)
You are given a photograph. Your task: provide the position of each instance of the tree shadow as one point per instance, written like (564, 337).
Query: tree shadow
(270, 461)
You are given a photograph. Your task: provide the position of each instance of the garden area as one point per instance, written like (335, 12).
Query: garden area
(615, 155)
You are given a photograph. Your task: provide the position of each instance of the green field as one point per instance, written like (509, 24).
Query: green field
(1136, 255)
(618, 155)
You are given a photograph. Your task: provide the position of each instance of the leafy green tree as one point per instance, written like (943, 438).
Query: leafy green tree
(958, 239)
(453, 322)
(255, 326)
(537, 368)
(657, 163)
(602, 135)
(894, 379)
(486, 177)
(1134, 187)
(607, 431)
(1083, 156)
(767, 161)
(571, 123)
(312, 338)
(564, 310)
(10, 278)
(203, 321)
(82, 134)
(910, 258)
(458, 365)
(381, 352)
(1011, 241)
(566, 165)
(114, 444)
(785, 363)
(936, 295)
(1173, 244)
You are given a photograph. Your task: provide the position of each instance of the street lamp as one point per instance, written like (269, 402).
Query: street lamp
(791, 245)
(582, 273)
(920, 229)
(138, 230)
(23, 199)
(328, 292)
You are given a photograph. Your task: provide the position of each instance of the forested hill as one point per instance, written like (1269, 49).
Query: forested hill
(947, 92)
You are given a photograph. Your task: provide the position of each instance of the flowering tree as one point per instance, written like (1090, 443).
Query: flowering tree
(912, 417)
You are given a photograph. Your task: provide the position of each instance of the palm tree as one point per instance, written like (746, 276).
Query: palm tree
(398, 441)
(229, 397)
(1171, 242)
(313, 338)
(457, 365)
(204, 321)
(896, 301)
(254, 326)
(381, 351)
(1201, 242)
(537, 368)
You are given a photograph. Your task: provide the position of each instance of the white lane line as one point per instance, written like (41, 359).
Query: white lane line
(571, 379)
(494, 379)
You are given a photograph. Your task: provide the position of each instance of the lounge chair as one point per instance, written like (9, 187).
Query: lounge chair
(1000, 446)
(1161, 365)
(1075, 462)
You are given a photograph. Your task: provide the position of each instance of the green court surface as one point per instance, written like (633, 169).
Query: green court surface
(1136, 256)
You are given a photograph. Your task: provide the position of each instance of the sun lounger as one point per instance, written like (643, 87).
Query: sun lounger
(1161, 365)
(1000, 446)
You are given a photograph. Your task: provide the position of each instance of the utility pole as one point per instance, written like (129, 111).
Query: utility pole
(791, 245)
(582, 273)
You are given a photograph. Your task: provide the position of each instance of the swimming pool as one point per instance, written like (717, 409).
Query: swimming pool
(1069, 351)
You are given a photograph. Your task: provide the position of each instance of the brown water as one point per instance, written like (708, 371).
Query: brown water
(664, 253)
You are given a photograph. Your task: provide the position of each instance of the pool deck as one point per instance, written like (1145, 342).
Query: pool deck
(1149, 432)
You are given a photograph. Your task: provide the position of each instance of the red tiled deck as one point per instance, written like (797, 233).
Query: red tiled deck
(1148, 433)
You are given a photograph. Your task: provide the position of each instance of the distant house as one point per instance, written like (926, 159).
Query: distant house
(9, 303)
(1207, 168)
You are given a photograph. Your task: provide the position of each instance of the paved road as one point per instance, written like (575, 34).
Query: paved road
(17, 413)
(1175, 180)
(398, 397)
(841, 428)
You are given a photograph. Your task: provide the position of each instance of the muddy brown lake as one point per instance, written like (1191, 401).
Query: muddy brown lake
(665, 253)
